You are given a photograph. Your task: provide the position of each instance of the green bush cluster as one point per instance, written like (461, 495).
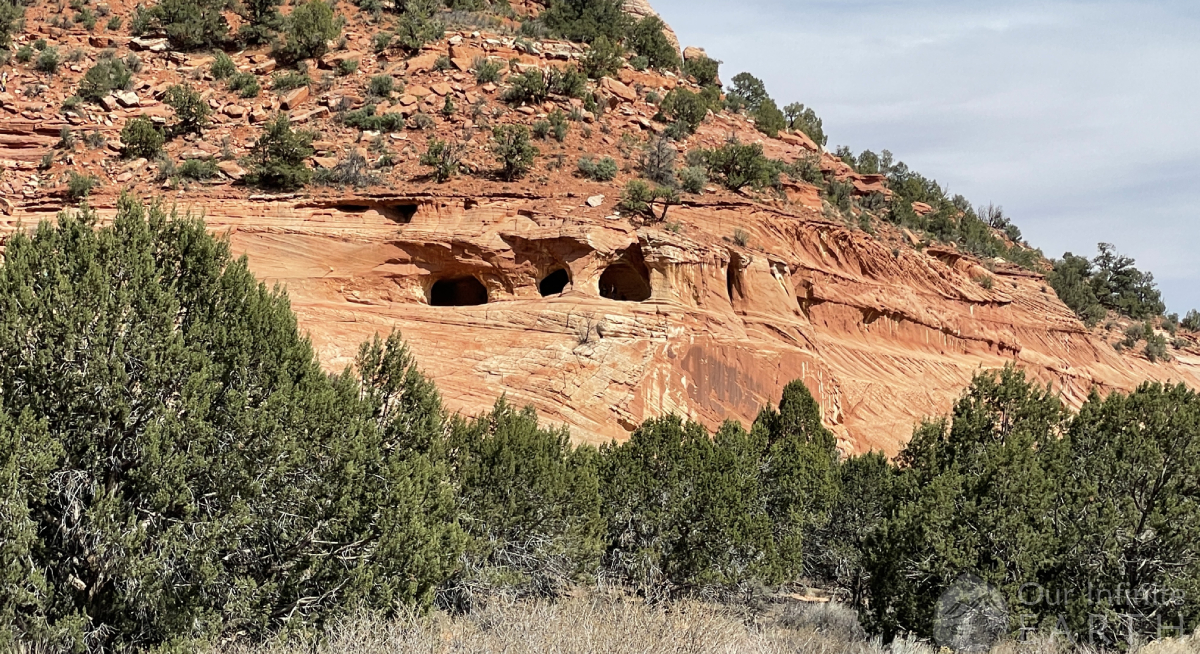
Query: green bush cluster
(1014, 489)
(278, 159)
(108, 75)
(11, 16)
(953, 219)
(685, 110)
(444, 157)
(1109, 282)
(141, 138)
(737, 165)
(191, 111)
(190, 25)
(513, 150)
(307, 29)
(190, 471)
(598, 170)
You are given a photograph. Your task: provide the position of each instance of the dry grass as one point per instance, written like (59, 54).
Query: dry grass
(605, 625)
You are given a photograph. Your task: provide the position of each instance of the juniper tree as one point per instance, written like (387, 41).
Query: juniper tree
(174, 463)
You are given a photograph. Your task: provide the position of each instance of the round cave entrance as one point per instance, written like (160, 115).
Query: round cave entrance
(554, 283)
(624, 283)
(458, 292)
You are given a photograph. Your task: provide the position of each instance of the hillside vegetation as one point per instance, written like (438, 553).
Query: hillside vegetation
(177, 468)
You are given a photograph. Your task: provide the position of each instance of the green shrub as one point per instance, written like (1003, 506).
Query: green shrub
(289, 80)
(86, 18)
(805, 120)
(638, 197)
(418, 25)
(528, 87)
(586, 20)
(381, 86)
(749, 91)
(1070, 279)
(278, 158)
(422, 121)
(541, 129)
(141, 138)
(559, 125)
(704, 70)
(693, 179)
(568, 82)
(603, 59)
(352, 170)
(239, 81)
(657, 162)
(24, 54)
(47, 61)
(649, 40)
(66, 139)
(347, 67)
(736, 165)
(487, 71)
(599, 170)
(1191, 321)
(198, 169)
(199, 482)
(684, 107)
(80, 186)
(262, 20)
(94, 139)
(191, 112)
(366, 120)
(381, 41)
(768, 119)
(639, 63)
(1156, 348)
(114, 24)
(530, 503)
(222, 66)
(12, 15)
(686, 509)
(133, 63)
(308, 28)
(513, 150)
(190, 25)
(445, 158)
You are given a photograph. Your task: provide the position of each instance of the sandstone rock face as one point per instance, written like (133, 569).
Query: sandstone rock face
(601, 324)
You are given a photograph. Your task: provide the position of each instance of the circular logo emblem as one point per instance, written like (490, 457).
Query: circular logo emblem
(971, 616)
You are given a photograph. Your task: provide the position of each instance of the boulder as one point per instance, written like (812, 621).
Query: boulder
(231, 170)
(618, 89)
(294, 98)
(149, 45)
(127, 98)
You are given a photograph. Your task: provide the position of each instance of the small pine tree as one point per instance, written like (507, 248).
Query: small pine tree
(513, 150)
(307, 31)
(191, 112)
(141, 138)
(278, 159)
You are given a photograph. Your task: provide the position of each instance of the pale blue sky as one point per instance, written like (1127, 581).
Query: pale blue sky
(1080, 118)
